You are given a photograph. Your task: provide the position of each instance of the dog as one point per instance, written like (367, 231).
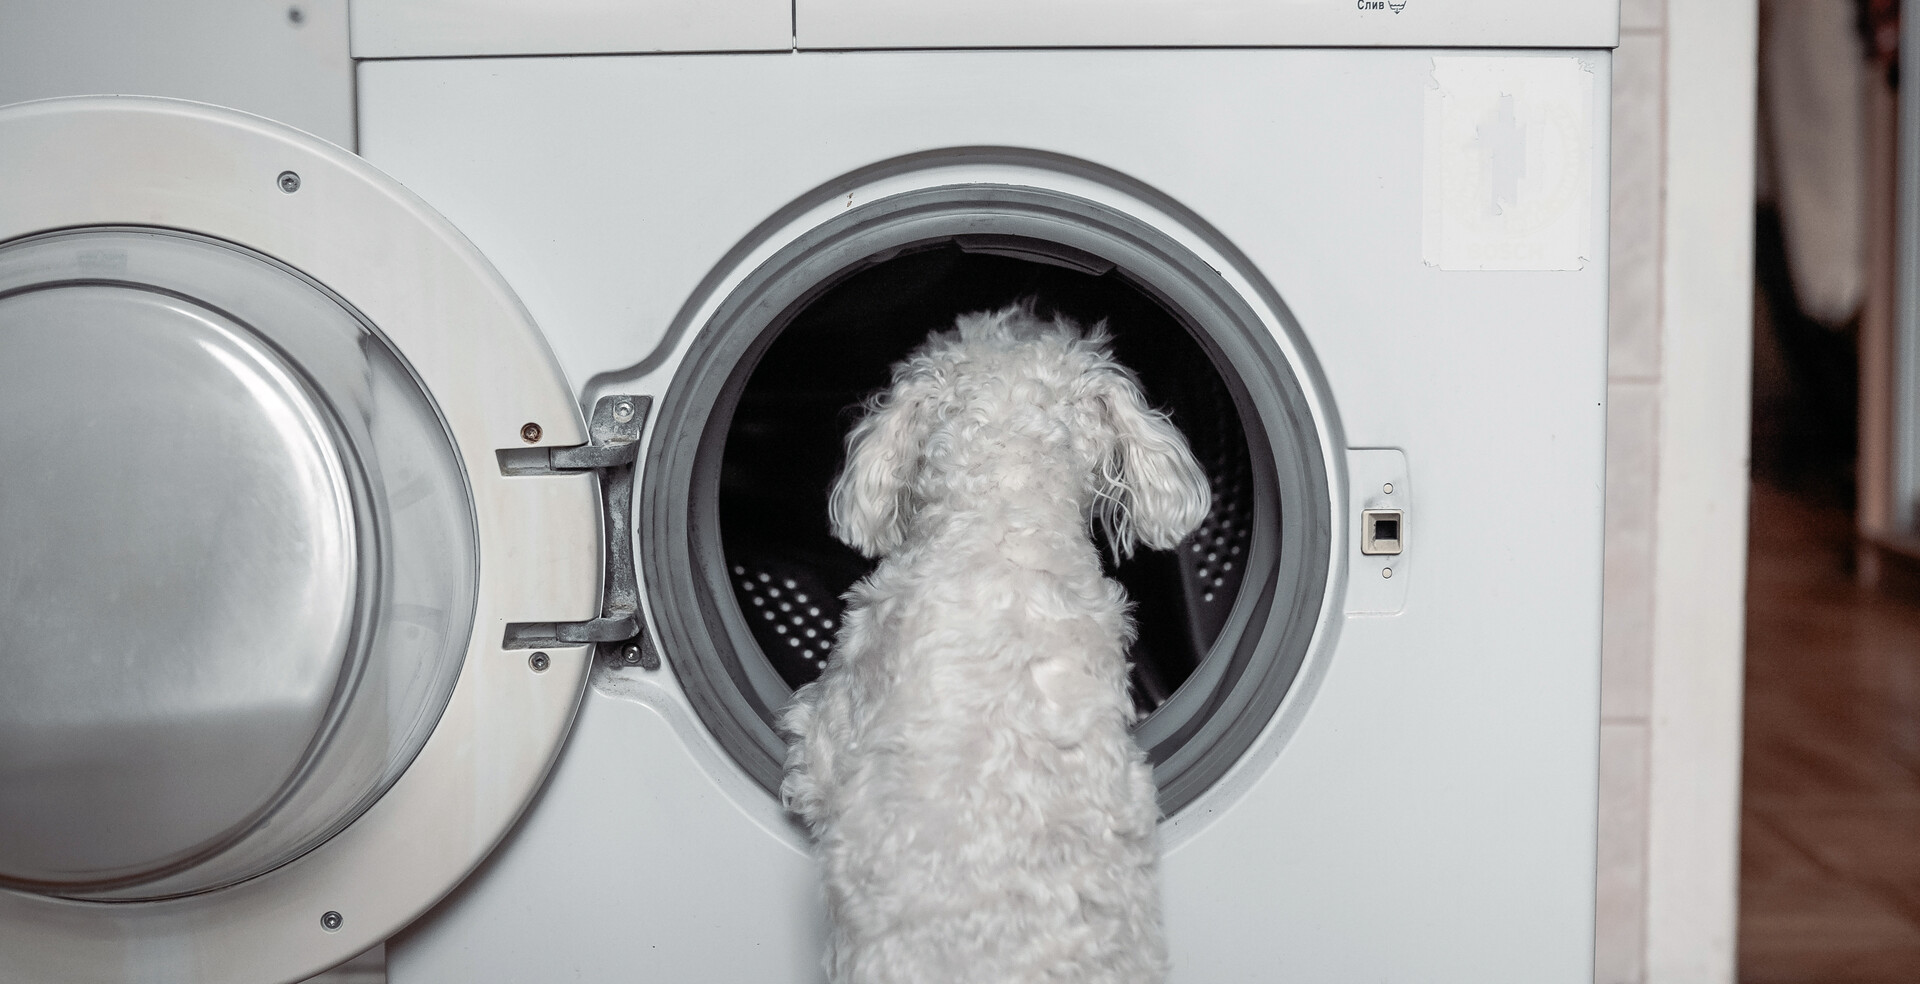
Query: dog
(963, 763)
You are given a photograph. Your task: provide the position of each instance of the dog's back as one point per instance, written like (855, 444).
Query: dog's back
(964, 762)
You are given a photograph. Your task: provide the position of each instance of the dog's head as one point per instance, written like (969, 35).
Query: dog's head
(1007, 404)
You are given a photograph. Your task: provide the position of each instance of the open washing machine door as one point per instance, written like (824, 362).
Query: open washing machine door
(301, 548)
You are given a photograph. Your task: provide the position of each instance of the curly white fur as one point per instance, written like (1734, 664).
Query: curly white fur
(964, 763)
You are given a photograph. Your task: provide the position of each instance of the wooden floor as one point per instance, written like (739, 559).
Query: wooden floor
(1830, 838)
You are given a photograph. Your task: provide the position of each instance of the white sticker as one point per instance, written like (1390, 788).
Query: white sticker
(1509, 164)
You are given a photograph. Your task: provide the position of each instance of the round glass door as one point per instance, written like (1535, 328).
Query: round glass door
(238, 568)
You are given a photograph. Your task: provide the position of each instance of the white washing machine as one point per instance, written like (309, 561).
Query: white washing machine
(367, 581)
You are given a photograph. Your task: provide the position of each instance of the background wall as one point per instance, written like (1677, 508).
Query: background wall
(1683, 111)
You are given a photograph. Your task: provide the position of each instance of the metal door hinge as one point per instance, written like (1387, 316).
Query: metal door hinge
(620, 633)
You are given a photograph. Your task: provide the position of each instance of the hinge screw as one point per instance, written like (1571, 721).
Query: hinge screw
(631, 654)
(539, 662)
(331, 921)
(530, 433)
(289, 182)
(623, 411)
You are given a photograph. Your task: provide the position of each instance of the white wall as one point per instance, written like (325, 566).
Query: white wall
(1676, 491)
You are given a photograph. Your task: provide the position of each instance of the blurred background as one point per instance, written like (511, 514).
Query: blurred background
(1830, 823)
(1827, 710)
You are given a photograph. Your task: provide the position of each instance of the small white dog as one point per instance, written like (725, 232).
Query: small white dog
(964, 762)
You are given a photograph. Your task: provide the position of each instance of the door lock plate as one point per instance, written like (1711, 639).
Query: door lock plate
(1382, 532)
(1379, 555)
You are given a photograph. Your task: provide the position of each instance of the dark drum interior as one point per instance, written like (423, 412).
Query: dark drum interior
(786, 444)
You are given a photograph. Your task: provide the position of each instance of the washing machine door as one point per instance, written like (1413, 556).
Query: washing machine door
(301, 548)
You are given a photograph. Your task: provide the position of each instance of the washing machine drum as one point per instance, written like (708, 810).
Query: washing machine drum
(785, 442)
(257, 645)
(747, 579)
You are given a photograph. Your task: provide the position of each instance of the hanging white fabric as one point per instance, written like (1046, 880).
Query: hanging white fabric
(1812, 75)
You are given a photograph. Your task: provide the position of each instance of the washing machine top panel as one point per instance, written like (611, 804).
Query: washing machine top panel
(1209, 23)
(450, 28)
(442, 28)
(264, 557)
(162, 438)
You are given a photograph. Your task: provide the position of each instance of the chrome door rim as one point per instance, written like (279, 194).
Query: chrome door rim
(130, 161)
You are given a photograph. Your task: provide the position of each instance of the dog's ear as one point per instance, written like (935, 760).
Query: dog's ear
(870, 504)
(1150, 489)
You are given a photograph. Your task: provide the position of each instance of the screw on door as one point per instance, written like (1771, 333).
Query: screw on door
(637, 652)
(331, 920)
(289, 182)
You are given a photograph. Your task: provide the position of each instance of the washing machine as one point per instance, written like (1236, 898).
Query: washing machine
(414, 548)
